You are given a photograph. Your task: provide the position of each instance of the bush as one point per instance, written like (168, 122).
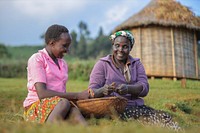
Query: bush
(78, 70)
(184, 107)
(3, 51)
(13, 69)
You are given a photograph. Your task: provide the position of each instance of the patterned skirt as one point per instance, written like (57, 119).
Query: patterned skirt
(40, 110)
(149, 116)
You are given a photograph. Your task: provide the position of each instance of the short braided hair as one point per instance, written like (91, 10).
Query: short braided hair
(54, 32)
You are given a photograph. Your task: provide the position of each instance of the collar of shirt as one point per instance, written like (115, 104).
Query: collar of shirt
(118, 65)
(108, 58)
(45, 53)
(125, 71)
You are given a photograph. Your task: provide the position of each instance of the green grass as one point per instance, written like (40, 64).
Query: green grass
(181, 103)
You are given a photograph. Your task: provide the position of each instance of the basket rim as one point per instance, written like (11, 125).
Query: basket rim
(102, 98)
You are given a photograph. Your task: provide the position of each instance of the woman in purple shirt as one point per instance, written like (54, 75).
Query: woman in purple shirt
(126, 75)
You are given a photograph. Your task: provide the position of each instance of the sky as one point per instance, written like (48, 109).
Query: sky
(22, 22)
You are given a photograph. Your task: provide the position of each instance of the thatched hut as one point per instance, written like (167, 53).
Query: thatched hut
(167, 36)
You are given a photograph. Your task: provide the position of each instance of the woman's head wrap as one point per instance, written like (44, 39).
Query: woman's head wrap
(124, 33)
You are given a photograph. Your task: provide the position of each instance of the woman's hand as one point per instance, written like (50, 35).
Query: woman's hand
(105, 90)
(134, 90)
(122, 89)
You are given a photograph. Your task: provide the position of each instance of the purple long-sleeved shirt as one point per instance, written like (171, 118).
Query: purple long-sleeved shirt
(105, 72)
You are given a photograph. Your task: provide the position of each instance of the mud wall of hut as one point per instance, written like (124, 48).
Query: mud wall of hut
(166, 51)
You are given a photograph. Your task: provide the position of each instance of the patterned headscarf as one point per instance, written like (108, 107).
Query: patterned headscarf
(124, 33)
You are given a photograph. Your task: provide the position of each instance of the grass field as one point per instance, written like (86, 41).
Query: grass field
(182, 103)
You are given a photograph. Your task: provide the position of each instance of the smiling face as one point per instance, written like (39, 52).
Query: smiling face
(121, 48)
(61, 46)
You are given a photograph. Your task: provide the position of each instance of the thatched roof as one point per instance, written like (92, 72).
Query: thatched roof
(165, 13)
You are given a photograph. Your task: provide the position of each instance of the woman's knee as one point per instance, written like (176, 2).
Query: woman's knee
(64, 105)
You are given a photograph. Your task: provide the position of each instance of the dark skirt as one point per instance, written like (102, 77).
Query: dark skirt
(149, 116)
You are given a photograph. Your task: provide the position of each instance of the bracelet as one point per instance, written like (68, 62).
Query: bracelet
(91, 93)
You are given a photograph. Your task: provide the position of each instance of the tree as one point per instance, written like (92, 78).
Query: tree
(74, 44)
(82, 46)
(3, 51)
(100, 32)
(42, 36)
(101, 46)
(83, 29)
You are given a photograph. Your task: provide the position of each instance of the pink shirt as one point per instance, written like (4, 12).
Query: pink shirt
(41, 68)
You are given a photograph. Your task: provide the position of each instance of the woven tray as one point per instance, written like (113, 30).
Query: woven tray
(100, 107)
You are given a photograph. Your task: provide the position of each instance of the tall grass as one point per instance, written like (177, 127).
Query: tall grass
(23, 52)
(78, 69)
(182, 104)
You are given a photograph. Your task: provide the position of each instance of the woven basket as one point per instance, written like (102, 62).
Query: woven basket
(100, 107)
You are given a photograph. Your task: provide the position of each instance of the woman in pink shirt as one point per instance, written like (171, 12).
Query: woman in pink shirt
(47, 73)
